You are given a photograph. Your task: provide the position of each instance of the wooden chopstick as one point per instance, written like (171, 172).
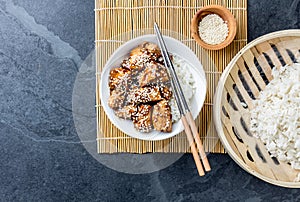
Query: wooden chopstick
(192, 145)
(198, 141)
(186, 116)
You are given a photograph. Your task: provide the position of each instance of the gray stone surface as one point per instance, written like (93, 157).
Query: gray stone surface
(268, 16)
(42, 158)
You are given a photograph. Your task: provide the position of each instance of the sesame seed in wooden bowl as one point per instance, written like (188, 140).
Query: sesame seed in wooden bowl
(213, 27)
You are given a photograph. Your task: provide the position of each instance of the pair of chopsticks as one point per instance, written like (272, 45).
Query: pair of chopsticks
(186, 116)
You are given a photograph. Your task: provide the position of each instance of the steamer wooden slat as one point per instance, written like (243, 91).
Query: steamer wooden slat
(119, 21)
(248, 77)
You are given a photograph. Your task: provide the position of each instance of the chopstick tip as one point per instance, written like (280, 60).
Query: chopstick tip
(201, 173)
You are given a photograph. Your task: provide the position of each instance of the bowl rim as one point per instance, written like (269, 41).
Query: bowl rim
(217, 105)
(200, 71)
(231, 20)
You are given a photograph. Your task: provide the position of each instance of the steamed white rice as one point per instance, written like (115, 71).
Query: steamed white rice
(187, 84)
(275, 118)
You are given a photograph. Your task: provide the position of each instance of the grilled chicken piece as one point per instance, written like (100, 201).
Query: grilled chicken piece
(126, 112)
(154, 73)
(148, 47)
(162, 117)
(144, 95)
(142, 118)
(117, 76)
(144, 53)
(151, 47)
(129, 64)
(116, 99)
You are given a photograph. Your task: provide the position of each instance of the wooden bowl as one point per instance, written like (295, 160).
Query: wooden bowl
(225, 14)
(242, 80)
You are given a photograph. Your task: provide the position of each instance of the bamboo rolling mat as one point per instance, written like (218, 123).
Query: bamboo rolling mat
(118, 21)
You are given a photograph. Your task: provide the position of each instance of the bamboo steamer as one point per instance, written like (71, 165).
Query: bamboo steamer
(245, 76)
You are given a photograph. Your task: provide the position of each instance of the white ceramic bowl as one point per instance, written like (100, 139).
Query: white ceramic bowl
(174, 46)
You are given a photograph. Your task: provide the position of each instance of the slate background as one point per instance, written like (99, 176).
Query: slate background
(42, 44)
